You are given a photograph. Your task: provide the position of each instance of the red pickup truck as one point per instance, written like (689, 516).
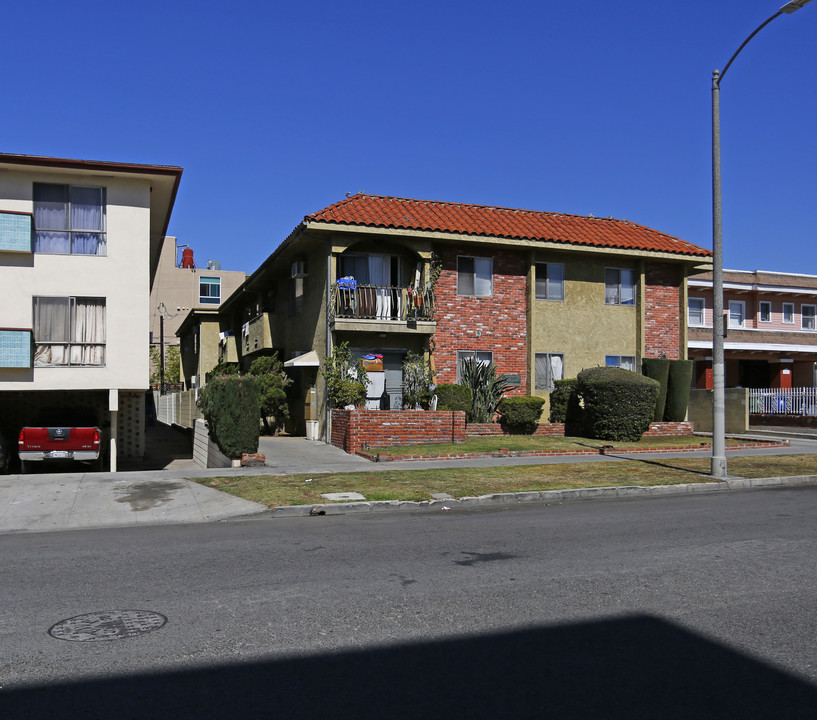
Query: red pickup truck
(74, 438)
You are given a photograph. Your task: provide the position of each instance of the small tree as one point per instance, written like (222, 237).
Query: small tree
(486, 389)
(222, 369)
(417, 379)
(346, 380)
(173, 364)
(272, 384)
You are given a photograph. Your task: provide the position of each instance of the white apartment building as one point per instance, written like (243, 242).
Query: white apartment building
(79, 246)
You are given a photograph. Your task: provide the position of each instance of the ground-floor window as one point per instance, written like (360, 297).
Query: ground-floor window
(484, 357)
(548, 368)
(623, 361)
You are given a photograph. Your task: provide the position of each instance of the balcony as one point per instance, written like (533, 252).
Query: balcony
(381, 308)
(256, 334)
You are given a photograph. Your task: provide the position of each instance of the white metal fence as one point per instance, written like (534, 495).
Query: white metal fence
(796, 401)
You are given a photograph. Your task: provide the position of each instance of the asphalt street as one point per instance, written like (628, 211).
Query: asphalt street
(697, 606)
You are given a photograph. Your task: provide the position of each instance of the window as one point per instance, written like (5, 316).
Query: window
(15, 231)
(765, 312)
(696, 312)
(69, 219)
(623, 361)
(373, 269)
(737, 313)
(474, 276)
(619, 287)
(483, 357)
(548, 368)
(210, 290)
(788, 313)
(296, 296)
(550, 281)
(69, 331)
(808, 313)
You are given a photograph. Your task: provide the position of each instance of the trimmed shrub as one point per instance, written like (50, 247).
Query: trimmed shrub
(657, 369)
(232, 407)
(566, 408)
(453, 397)
(680, 382)
(618, 404)
(520, 413)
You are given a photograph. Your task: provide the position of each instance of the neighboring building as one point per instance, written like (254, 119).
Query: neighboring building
(771, 329)
(542, 295)
(181, 286)
(79, 247)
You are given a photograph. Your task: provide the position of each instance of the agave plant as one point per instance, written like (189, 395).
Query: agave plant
(486, 387)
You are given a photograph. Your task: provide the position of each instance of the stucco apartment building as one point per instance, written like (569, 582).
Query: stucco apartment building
(79, 247)
(771, 329)
(181, 285)
(542, 295)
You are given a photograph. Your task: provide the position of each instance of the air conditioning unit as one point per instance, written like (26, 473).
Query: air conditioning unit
(299, 269)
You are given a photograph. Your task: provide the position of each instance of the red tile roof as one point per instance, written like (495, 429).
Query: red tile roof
(488, 221)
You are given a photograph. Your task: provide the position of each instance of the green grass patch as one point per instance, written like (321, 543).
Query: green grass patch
(516, 443)
(419, 484)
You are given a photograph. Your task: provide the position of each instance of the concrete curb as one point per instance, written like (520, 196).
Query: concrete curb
(544, 497)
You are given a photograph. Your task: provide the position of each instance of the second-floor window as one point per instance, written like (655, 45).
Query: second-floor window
(808, 313)
(737, 313)
(788, 313)
(696, 312)
(619, 286)
(550, 281)
(69, 219)
(765, 311)
(475, 276)
(69, 331)
(210, 290)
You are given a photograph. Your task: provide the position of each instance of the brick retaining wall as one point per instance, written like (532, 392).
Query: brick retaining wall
(354, 430)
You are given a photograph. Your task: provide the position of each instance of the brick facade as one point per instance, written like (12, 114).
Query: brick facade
(496, 324)
(662, 310)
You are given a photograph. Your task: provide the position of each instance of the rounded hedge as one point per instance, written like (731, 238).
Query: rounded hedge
(453, 397)
(520, 413)
(618, 404)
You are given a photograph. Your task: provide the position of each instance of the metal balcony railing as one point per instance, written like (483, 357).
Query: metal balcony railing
(380, 302)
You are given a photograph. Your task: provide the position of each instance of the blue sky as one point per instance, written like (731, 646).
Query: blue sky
(276, 110)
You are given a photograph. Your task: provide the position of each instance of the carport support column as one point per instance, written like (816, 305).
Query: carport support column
(113, 407)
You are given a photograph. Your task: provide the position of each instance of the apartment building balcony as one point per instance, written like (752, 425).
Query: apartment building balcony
(256, 334)
(381, 308)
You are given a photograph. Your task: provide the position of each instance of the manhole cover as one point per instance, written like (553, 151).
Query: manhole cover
(108, 625)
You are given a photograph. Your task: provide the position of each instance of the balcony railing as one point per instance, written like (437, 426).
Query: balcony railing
(795, 401)
(380, 302)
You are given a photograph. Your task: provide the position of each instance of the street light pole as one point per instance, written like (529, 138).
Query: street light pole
(718, 467)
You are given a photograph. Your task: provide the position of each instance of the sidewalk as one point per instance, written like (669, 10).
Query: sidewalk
(58, 501)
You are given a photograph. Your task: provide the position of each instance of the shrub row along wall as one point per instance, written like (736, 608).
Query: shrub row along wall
(662, 429)
(354, 430)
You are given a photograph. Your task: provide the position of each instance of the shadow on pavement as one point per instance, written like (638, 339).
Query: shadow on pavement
(631, 667)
